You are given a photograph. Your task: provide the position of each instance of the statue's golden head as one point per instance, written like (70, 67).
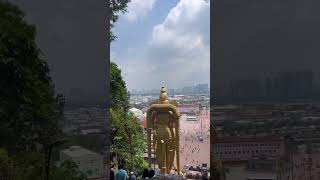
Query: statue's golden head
(164, 98)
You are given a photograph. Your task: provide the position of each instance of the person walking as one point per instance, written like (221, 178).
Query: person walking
(151, 174)
(132, 176)
(121, 173)
(145, 174)
(111, 174)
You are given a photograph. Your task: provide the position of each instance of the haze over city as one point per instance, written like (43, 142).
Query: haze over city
(253, 38)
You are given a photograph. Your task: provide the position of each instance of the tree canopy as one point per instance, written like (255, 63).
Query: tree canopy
(116, 7)
(29, 108)
(127, 137)
(128, 141)
(29, 167)
(119, 96)
(28, 105)
(68, 170)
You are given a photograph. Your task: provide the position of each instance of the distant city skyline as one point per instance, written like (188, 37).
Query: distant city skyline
(168, 87)
(281, 86)
(192, 89)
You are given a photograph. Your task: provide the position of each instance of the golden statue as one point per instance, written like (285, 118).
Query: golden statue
(163, 121)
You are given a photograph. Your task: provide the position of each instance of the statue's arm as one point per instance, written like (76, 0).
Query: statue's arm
(176, 114)
(166, 108)
(149, 127)
(177, 139)
(154, 141)
(150, 118)
(172, 125)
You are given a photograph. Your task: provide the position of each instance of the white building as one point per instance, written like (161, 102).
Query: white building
(136, 112)
(88, 162)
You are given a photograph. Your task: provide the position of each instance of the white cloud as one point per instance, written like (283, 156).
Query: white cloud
(138, 8)
(178, 53)
(185, 27)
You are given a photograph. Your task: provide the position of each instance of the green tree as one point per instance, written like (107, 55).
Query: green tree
(68, 170)
(119, 96)
(116, 7)
(128, 143)
(24, 166)
(29, 108)
(29, 167)
(6, 164)
(127, 137)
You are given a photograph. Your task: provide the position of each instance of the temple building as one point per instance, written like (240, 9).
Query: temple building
(242, 149)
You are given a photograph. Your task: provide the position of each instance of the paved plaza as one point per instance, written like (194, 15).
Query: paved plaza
(195, 140)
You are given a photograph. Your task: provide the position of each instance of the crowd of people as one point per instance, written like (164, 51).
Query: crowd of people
(121, 174)
(194, 144)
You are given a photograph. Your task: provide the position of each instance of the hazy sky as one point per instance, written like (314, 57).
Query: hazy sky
(258, 37)
(163, 42)
(72, 36)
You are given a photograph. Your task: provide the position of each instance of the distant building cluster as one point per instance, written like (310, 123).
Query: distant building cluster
(197, 89)
(240, 149)
(295, 119)
(268, 137)
(192, 109)
(84, 121)
(278, 86)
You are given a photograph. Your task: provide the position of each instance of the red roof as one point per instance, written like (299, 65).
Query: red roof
(144, 122)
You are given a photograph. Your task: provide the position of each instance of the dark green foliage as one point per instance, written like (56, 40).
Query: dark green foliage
(127, 138)
(28, 166)
(119, 96)
(29, 109)
(116, 7)
(6, 163)
(67, 171)
(21, 166)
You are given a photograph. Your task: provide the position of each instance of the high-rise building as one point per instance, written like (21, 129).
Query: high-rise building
(202, 88)
(188, 89)
(171, 92)
(245, 89)
(298, 84)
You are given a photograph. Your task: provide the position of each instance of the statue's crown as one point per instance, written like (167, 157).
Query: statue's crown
(163, 95)
(163, 89)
